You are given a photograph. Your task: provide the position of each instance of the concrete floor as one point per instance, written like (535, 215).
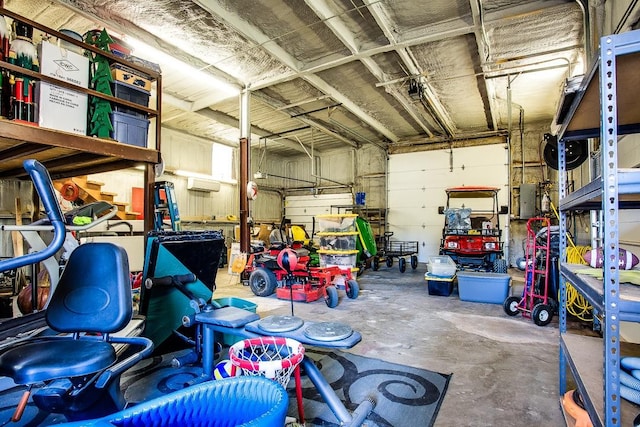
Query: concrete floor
(505, 369)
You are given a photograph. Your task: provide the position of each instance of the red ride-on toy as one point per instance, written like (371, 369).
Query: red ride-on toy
(285, 271)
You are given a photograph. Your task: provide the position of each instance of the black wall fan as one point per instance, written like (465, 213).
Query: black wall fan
(576, 152)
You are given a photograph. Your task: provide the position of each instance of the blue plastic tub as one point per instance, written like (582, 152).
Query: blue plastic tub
(483, 287)
(129, 129)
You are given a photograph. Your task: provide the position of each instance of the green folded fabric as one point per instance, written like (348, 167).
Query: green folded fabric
(82, 220)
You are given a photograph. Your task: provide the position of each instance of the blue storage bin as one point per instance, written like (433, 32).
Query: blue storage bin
(483, 287)
(129, 129)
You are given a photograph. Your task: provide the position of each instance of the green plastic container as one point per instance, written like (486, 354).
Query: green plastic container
(236, 302)
(368, 240)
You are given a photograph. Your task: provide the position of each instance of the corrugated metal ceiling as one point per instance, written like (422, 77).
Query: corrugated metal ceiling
(335, 73)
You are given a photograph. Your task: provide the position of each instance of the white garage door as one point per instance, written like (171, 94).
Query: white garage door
(302, 209)
(416, 188)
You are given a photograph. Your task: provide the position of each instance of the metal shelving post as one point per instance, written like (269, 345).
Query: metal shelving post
(609, 143)
(614, 114)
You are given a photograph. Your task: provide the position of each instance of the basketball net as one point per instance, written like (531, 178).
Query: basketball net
(271, 357)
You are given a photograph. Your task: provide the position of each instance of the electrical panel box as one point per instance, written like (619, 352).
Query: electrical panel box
(527, 201)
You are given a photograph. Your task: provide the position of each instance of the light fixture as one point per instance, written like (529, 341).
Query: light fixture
(205, 80)
(415, 89)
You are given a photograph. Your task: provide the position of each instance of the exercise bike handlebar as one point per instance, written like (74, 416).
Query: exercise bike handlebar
(40, 225)
(43, 185)
(112, 212)
(169, 280)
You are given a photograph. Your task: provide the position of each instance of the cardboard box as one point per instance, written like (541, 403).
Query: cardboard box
(61, 109)
(483, 287)
(122, 73)
(63, 64)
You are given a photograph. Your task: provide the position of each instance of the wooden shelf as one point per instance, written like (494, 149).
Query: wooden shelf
(67, 154)
(584, 116)
(586, 366)
(64, 154)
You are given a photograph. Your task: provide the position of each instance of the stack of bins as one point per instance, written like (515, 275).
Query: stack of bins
(338, 237)
(130, 126)
(441, 271)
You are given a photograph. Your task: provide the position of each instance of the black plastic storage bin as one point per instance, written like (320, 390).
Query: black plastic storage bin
(441, 286)
(132, 94)
(129, 129)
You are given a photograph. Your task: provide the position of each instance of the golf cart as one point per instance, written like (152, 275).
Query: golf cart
(471, 235)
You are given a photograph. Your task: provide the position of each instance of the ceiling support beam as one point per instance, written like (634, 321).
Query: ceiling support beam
(416, 146)
(256, 36)
(435, 32)
(484, 56)
(440, 113)
(312, 123)
(340, 30)
(303, 102)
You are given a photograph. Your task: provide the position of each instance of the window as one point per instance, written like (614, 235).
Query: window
(222, 162)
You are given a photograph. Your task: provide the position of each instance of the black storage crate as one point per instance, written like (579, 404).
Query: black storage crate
(132, 94)
(441, 286)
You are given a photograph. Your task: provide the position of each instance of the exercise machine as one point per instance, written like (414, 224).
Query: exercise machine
(78, 362)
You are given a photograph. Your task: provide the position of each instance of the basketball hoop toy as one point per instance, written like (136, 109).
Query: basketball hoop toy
(272, 357)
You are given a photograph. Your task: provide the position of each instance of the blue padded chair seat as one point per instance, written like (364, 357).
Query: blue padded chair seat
(55, 357)
(230, 317)
(232, 402)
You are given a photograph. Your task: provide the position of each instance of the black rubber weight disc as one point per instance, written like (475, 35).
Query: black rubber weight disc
(328, 331)
(276, 324)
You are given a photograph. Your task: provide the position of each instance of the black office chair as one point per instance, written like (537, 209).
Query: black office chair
(77, 362)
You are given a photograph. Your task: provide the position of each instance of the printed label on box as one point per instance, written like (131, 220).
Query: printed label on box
(61, 108)
(63, 64)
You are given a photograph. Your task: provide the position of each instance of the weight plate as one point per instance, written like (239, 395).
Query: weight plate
(280, 323)
(328, 331)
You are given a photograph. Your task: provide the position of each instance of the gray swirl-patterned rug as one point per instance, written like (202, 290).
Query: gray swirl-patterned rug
(405, 396)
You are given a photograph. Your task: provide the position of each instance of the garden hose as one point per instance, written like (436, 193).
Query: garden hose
(629, 382)
(577, 305)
